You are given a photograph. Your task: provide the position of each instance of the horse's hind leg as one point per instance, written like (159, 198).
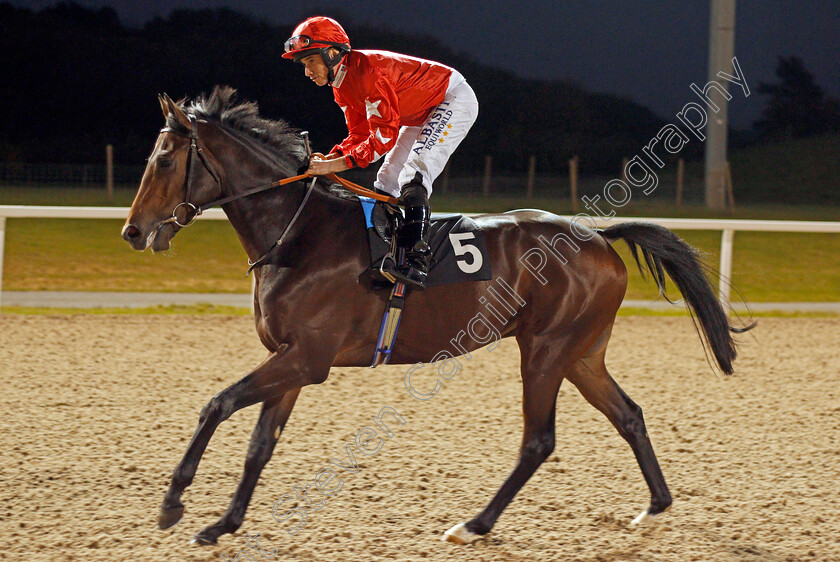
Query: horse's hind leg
(272, 420)
(542, 368)
(591, 378)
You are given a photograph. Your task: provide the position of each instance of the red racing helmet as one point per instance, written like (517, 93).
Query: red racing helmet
(317, 35)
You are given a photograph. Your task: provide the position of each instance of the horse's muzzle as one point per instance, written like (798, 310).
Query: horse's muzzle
(132, 234)
(157, 238)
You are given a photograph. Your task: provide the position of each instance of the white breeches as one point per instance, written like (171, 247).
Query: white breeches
(427, 148)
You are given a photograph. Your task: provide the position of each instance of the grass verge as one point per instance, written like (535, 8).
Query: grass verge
(89, 255)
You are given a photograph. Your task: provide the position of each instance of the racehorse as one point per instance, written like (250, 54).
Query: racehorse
(315, 308)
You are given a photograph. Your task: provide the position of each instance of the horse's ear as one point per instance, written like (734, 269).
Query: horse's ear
(179, 114)
(164, 106)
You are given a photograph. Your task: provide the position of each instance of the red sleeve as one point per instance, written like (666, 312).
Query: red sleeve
(375, 134)
(356, 126)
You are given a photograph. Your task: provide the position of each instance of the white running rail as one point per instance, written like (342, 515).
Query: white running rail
(726, 226)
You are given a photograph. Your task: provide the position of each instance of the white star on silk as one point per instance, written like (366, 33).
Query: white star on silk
(383, 140)
(378, 135)
(372, 108)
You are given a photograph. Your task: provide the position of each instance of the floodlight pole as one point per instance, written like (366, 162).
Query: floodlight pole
(721, 51)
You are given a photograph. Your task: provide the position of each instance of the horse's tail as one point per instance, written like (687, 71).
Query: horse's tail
(662, 249)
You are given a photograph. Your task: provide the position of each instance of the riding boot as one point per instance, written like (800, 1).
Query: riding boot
(413, 235)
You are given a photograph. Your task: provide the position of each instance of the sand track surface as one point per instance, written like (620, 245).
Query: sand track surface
(97, 411)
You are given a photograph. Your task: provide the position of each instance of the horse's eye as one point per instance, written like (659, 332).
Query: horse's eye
(164, 162)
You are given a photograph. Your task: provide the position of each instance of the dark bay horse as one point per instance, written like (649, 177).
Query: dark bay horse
(315, 307)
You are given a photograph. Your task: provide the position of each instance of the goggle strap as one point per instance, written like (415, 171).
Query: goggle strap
(299, 42)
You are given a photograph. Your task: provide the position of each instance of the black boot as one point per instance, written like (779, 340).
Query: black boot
(413, 235)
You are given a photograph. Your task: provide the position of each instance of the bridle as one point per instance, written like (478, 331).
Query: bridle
(193, 210)
(195, 153)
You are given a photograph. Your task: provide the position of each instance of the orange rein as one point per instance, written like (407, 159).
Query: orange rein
(357, 189)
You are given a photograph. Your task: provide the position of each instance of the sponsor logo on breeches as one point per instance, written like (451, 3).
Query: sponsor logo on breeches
(435, 130)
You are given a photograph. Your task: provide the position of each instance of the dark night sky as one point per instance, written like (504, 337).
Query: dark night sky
(646, 51)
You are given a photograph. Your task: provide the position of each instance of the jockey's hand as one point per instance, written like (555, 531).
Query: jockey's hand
(320, 165)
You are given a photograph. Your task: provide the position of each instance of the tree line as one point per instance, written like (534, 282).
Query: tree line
(76, 79)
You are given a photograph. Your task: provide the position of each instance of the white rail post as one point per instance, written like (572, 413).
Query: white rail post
(725, 268)
(2, 248)
(253, 290)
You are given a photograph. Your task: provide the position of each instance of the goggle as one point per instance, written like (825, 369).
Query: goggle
(299, 42)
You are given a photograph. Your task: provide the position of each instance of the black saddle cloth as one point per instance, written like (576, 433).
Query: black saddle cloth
(459, 251)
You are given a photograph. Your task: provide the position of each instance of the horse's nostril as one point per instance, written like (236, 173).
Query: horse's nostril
(130, 232)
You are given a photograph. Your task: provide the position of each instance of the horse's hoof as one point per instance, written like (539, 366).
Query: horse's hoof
(643, 519)
(459, 534)
(170, 516)
(204, 540)
(646, 517)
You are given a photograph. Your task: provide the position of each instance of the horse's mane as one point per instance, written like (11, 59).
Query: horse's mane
(281, 139)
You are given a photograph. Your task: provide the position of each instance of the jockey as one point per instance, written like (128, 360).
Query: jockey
(412, 111)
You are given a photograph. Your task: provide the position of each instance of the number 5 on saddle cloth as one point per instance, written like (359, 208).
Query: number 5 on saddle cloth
(459, 254)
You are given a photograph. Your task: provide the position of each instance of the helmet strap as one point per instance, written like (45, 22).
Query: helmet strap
(331, 62)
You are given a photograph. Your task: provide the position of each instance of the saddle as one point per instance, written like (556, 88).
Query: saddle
(459, 252)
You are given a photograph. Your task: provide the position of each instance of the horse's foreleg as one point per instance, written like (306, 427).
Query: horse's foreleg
(273, 418)
(539, 397)
(269, 381)
(591, 378)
